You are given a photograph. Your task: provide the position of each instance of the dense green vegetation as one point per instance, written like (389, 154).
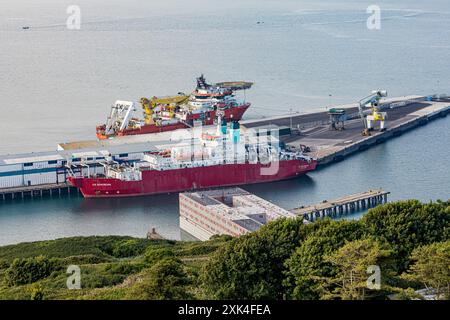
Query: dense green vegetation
(408, 241)
(112, 267)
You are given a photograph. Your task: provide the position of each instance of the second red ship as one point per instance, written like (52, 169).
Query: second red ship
(177, 112)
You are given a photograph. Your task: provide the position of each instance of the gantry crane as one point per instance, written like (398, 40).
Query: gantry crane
(376, 116)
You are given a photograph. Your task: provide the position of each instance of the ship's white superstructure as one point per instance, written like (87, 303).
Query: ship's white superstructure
(223, 147)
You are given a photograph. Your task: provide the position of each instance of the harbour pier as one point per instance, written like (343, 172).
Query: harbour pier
(236, 212)
(313, 133)
(343, 206)
(39, 191)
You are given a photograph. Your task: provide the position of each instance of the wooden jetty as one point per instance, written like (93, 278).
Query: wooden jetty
(345, 205)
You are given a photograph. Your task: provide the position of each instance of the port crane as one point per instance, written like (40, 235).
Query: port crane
(171, 102)
(376, 115)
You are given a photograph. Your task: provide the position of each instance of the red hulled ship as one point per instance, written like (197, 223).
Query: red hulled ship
(177, 112)
(214, 160)
(177, 180)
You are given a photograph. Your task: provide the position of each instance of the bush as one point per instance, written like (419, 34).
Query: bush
(29, 270)
(90, 281)
(199, 248)
(221, 237)
(62, 248)
(153, 255)
(122, 268)
(128, 248)
(37, 292)
(4, 264)
(85, 259)
(165, 280)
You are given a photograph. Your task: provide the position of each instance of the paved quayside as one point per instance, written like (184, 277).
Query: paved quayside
(327, 146)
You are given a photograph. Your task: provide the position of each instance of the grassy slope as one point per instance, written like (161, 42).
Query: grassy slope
(106, 272)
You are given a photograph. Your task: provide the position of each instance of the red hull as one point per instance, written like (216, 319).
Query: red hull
(155, 182)
(234, 113)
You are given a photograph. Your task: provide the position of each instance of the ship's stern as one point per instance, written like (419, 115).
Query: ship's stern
(101, 132)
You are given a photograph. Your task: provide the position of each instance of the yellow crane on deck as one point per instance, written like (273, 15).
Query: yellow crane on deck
(376, 115)
(170, 101)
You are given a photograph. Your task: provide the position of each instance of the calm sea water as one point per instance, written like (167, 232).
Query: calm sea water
(58, 84)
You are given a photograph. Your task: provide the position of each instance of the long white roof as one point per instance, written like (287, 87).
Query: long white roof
(78, 153)
(36, 158)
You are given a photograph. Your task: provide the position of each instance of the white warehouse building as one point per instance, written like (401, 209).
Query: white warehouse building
(52, 167)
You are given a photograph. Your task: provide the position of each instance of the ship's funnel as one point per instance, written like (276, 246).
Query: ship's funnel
(235, 132)
(224, 126)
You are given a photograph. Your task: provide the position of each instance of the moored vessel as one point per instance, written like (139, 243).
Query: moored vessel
(224, 158)
(162, 114)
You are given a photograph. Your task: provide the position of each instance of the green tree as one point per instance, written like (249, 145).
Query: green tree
(251, 267)
(306, 267)
(29, 270)
(352, 261)
(431, 267)
(165, 280)
(406, 225)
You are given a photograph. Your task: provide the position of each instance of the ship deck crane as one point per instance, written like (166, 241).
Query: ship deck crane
(170, 101)
(376, 116)
(120, 116)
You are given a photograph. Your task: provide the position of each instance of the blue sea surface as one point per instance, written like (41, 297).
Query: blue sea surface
(58, 84)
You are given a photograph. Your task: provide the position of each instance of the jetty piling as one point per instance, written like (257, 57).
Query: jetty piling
(343, 206)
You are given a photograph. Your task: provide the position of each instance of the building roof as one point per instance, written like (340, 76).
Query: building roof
(76, 153)
(239, 206)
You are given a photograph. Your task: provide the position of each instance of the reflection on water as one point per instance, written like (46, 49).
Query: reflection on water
(147, 204)
(49, 218)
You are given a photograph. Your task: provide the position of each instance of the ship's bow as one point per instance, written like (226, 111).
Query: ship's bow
(76, 182)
